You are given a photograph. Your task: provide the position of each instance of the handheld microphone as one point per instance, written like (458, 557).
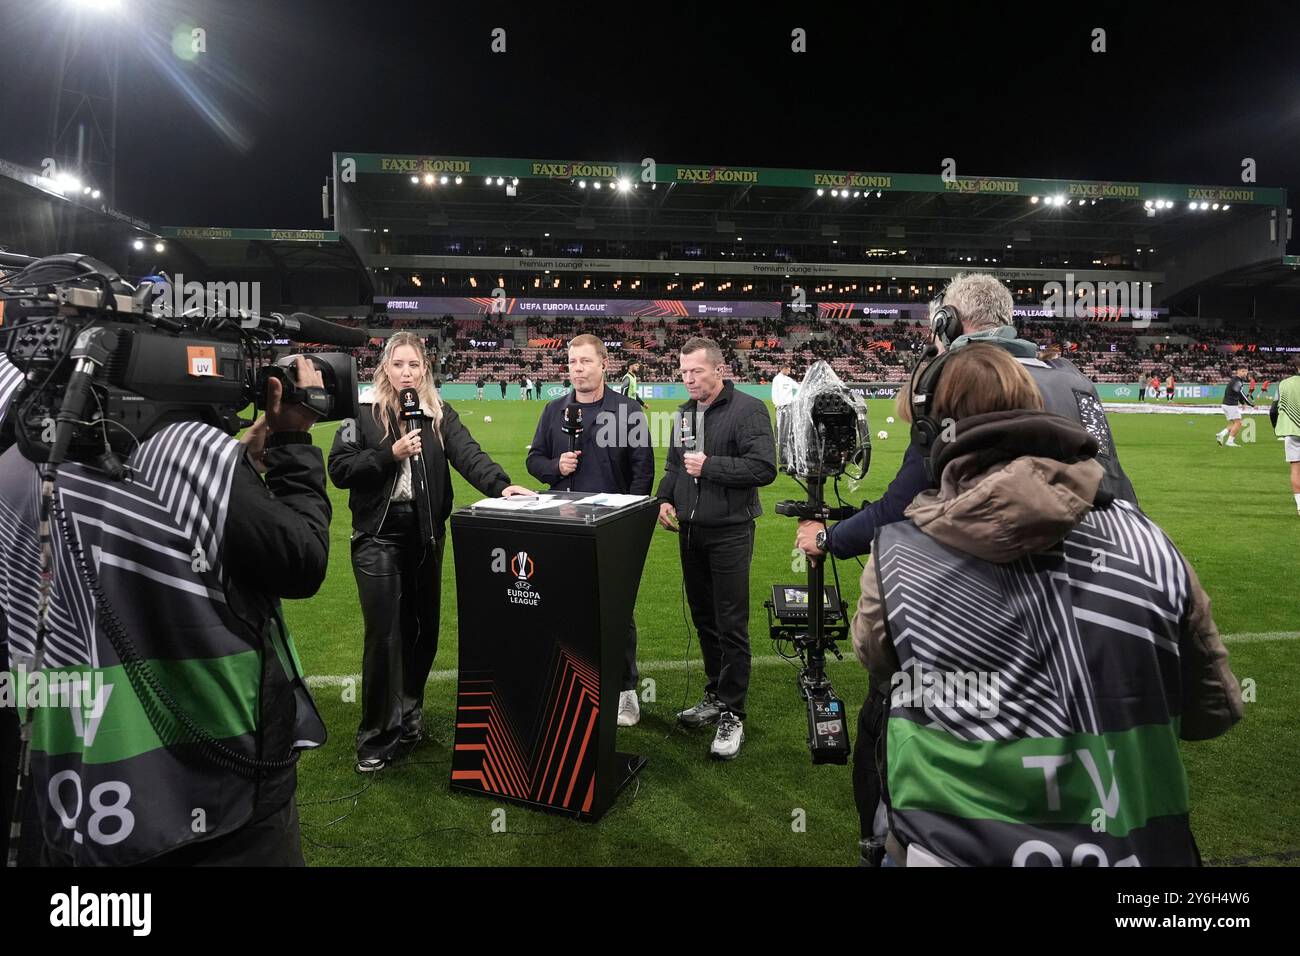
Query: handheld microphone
(573, 428)
(688, 436)
(572, 425)
(411, 413)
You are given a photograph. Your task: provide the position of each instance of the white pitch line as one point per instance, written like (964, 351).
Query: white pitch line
(1263, 636)
(338, 680)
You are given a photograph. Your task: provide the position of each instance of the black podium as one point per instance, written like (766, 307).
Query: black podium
(545, 599)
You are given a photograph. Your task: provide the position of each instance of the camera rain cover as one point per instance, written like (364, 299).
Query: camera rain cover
(807, 449)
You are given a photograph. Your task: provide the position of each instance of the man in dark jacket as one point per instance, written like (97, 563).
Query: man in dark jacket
(709, 495)
(612, 454)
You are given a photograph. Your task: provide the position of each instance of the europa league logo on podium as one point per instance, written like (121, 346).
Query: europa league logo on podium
(522, 566)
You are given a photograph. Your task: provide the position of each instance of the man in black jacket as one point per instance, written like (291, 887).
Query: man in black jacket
(709, 495)
(612, 454)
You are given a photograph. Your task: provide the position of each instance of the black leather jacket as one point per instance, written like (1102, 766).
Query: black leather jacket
(362, 462)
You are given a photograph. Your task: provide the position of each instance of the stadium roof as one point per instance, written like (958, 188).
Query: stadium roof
(41, 216)
(649, 172)
(521, 197)
(400, 210)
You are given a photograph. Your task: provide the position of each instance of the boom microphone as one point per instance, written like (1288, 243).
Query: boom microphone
(302, 327)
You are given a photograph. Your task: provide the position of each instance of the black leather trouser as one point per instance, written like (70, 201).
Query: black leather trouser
(399, 580)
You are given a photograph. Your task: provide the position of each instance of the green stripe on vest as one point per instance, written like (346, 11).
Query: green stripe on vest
(1064, 782)
(220, 694)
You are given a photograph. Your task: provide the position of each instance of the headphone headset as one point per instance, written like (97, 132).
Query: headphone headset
(945, 327)
(945, 324)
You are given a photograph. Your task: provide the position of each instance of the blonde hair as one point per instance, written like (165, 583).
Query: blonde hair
(588, 339)
(385, 395)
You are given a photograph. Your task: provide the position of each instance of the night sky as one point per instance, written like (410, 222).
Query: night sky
(242, 136)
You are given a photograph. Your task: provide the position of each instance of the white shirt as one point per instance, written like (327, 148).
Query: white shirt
(783, 389)
(403, 488)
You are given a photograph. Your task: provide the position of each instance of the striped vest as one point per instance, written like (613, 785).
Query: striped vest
(116, 777)
(1035, 717)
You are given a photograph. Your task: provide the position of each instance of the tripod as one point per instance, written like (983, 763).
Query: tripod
(813, 619)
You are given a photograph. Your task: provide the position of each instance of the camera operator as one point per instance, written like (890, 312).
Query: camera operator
(983, 306)
(976, 307)
(192, 557)
(1018, 569)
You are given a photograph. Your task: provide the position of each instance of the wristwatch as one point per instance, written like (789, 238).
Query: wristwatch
(820, 540)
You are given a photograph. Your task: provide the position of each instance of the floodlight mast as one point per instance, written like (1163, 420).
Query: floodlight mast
(83, 117)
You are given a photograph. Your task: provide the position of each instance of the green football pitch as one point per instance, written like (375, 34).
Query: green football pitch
(1229, 510)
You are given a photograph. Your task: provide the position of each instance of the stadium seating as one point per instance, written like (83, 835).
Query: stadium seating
(858, 350)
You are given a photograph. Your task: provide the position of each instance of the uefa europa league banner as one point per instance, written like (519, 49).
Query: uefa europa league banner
(526, 305)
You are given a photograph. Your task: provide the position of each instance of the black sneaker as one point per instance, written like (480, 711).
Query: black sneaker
(705, 712)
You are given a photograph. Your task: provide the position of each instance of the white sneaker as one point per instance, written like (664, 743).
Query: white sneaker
(730, 735)
(629, 709)
(1219, 438)
(1231, 444)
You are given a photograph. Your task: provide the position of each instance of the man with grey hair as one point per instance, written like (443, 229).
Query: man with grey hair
(722, 453)
(983, 302)
(976, 307)
(982, 306)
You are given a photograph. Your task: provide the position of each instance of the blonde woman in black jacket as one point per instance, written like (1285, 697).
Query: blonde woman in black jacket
(399, 490)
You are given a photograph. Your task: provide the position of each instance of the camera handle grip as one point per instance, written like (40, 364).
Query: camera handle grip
(317, 399)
